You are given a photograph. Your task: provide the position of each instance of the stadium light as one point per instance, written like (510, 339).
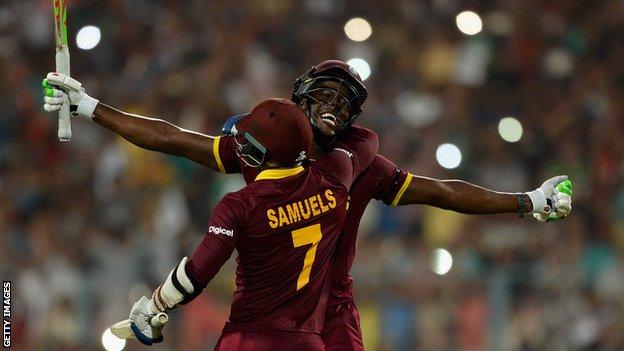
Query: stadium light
(361, 66)
(358, 29)
(469, 23)
(112, 343)
(510, 129)
(440, 261)
(448, 156)
(558, 63)
(88, 37)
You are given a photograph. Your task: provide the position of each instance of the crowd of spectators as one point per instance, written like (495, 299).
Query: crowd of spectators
(89, 226)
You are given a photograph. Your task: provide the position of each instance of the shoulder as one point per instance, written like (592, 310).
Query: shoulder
(359, 133)
(236, 201)
(358, 138)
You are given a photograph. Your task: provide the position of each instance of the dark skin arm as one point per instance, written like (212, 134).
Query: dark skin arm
(460, 196)
(158, 135)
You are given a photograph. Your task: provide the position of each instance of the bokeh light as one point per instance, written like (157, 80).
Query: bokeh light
(499, 23)
(112, 343)
(558, 63)
(440, 261)
(361, 67)
(358, 29)
(469, 23)
(448, 156)
(510, 129)
(88, 37)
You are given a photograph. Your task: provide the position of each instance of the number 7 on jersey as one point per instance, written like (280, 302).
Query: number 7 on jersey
(305, 236)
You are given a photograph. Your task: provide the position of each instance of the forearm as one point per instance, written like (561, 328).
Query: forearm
(157, 135)
(461, 196)
(148, 133)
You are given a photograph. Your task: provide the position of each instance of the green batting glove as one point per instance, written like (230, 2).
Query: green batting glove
(59, 89)
(553, 200)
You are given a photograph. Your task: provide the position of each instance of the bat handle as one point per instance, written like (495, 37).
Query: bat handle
(159, 320)
(64, 126)
(62, 66)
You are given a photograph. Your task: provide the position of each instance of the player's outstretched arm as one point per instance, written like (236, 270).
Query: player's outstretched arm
(148, 133)
(550, 201)
(157, 135)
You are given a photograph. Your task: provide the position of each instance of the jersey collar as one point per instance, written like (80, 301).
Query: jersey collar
(278, 173)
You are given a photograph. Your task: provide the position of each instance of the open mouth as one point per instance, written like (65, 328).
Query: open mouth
(329, 118)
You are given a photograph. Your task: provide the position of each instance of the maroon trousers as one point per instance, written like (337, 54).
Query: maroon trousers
(269, 341)
(342, 328)
(342, 333)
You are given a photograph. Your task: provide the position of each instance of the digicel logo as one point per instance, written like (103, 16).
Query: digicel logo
(219, 230)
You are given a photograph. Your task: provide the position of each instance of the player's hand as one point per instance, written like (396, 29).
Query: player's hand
(144, 324)
(552, 200)
(59, 88)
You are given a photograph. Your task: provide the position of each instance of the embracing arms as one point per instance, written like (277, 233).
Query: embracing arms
(158, 135)
(397, 187)
(148, 133)
(460, 196)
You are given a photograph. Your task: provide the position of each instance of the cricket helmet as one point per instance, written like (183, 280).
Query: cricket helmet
(276, 129)
(337, 71)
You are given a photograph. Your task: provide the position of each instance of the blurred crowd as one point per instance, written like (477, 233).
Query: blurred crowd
(89, 226)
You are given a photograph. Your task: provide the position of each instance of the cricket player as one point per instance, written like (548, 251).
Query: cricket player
(285, 226)
(332, 94)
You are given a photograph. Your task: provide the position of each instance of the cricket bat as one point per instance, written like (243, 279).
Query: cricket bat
(62, 63)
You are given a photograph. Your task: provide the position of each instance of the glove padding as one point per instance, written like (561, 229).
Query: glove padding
(59, 88)
(553, 200)
(144, 324)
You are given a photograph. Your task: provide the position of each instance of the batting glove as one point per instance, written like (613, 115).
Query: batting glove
(552, 200)
(145, 323)
(60, 88)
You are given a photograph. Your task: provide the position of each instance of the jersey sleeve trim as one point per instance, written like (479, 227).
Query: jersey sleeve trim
(406, 183)
(279, 173)
(215, 152)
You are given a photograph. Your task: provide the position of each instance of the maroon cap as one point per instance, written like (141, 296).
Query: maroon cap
(282, 127)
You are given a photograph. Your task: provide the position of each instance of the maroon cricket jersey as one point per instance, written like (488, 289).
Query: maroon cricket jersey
(383, 180)
(285, 226)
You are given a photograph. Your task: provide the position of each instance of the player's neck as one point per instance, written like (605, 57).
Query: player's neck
(271, 164)
(316, 151)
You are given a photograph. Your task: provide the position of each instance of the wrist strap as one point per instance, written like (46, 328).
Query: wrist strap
(86, 106)
(521, 205)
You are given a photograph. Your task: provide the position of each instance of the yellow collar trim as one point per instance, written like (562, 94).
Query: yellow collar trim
(278, 173)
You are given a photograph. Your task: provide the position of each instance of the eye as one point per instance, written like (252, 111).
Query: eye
(323, 94)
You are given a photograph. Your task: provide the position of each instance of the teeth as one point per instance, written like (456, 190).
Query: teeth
(329, 119)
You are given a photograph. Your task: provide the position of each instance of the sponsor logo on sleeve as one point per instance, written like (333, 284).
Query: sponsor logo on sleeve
(218, 230)
(345, 151)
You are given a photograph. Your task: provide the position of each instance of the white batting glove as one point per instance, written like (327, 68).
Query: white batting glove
(144, 324)
(552, 200)
(59, 88)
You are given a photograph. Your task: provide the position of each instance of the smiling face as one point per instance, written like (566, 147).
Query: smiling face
(330, 106)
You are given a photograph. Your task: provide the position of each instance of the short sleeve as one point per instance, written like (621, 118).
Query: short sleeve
(224, 149)
(391, 181)
(219, 240)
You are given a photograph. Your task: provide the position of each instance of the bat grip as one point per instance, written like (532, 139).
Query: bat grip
(159, 320)
(62, 66)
